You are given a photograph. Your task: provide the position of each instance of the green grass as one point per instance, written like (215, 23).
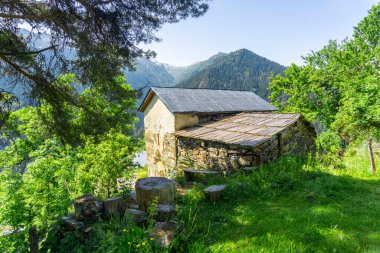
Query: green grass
(290, 205)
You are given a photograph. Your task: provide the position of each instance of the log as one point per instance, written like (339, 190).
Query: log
(149, 188)
(213, 192)
(193, 175)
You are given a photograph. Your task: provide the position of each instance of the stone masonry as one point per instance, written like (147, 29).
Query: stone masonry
(297, 138)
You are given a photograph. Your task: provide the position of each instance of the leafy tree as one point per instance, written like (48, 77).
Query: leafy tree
(338, 87)
(41, 174)
(92, 38)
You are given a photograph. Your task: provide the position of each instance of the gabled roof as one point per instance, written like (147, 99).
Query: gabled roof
(179, 100)
(243, 129)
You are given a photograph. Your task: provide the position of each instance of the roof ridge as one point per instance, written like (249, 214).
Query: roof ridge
(173, 87)
(179, 100)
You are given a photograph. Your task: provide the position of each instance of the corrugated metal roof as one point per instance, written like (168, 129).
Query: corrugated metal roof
(244, 129)
(180, 100)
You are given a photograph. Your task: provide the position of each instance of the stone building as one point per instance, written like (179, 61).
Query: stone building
(217, 129)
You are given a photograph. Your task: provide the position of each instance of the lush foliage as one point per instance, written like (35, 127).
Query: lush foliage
(41, 175)
(291, 205)
(339, 85)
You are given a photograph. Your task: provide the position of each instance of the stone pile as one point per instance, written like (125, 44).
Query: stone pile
(135, 207)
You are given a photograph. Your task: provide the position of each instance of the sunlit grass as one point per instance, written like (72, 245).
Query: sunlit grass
(294, 205)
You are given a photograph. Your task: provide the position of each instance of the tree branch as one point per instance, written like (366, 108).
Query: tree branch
(30, 17)
(17, 67)
(27, 53)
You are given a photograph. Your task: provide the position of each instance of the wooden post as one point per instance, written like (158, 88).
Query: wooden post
(33, 240)
(373, 166)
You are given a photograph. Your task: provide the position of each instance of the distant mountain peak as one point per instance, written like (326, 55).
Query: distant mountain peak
(238, 70)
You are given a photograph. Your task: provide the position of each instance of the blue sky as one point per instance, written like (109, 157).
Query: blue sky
(280, 30)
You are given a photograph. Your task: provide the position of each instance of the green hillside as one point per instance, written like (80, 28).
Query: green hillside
(183, 73)
(239, 70)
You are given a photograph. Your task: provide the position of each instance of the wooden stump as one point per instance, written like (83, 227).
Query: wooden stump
(193, 175)
(132, 200)
(165, 212)
(139, 217)
(114, 206)
(213, 192)
(154, 187)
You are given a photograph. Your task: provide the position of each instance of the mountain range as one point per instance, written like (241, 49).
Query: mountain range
(238, 70)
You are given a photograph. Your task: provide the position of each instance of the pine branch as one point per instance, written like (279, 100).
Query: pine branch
(27, 53)
(30, 17)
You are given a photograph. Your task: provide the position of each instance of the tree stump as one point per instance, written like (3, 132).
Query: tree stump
(139, 217)
(114, 206)
(154, 187)
(193, 175)
(132, 200)
(213, 192)
(165, 212)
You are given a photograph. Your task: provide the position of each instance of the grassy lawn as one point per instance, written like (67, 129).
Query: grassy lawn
(290, 205)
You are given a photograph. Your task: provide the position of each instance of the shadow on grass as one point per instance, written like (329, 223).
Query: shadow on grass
(289, 206)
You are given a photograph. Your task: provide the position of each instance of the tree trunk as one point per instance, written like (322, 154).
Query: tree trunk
(373, 166)
(33, 240)
(151, 187)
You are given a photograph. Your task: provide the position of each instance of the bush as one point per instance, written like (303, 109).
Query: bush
(329, 142)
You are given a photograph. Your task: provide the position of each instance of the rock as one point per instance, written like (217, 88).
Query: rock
(137, 216)
(247, 169)
(149, 188)
(163, 233)
(165, 212)
(114, 206)
(88, 230)
(213, 192)
(245, 160)
(87, 207)
(71, 224)
(193, 175)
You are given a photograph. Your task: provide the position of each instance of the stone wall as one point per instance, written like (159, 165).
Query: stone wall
(296, 139)
(159, 124)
